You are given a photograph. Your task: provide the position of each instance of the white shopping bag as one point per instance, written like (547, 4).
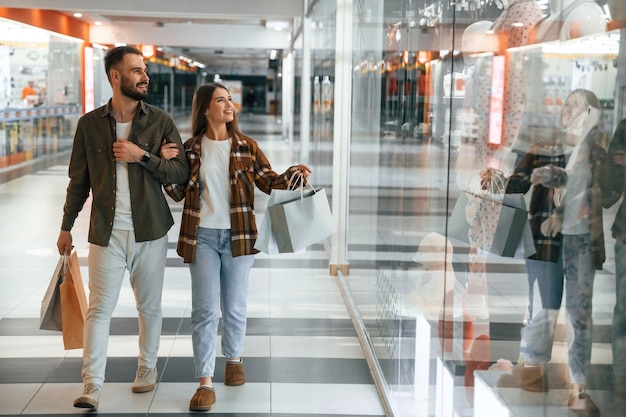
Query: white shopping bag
(301, 221)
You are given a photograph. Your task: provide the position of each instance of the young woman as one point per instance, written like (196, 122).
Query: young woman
(218, 230)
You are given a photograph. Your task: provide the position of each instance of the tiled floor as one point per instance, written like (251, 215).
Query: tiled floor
(302, 354)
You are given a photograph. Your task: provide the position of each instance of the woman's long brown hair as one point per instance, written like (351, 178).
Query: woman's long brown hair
(201, 101)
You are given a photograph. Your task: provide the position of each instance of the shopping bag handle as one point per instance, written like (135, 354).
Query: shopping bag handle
(66, 264)
(298, 178)
(295, 181)
(302, 190)
(497, 186)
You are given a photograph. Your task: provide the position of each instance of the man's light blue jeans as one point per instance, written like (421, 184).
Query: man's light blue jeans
(219, 284)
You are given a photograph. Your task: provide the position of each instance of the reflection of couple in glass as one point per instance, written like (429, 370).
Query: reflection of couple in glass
(566, 220)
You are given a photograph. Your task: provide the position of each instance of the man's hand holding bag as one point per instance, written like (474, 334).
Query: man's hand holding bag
(64, 306)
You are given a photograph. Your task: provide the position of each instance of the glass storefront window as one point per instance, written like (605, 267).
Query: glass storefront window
(102, 87)
(486, 171)
(40, 92)
(322, 42)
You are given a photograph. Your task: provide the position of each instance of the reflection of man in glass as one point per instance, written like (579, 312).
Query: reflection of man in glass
(579, 218)
(613, 181)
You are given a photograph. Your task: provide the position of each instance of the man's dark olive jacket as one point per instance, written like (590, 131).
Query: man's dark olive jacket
(92, 168)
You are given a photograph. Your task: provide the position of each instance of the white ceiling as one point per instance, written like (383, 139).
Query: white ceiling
(233, 36)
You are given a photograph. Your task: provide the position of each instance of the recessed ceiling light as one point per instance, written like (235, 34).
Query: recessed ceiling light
(277, 25)
(77, 14)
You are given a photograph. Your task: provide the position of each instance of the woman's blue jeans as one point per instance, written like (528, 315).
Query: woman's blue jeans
(538, 336)
(549, 277)
(579, 278)
(219, 284)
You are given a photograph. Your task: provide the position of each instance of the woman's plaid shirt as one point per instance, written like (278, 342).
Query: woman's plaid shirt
(248, 167)
(541, 202)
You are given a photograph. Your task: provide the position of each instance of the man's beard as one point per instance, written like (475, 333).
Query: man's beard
(129, 91)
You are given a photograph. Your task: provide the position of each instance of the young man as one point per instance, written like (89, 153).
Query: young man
(115, 157)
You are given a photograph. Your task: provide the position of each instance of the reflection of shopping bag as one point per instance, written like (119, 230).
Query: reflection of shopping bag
(73, 305)
(526, 247)
(302, 221)
(511, 231)
(265, 241)
(50, 316)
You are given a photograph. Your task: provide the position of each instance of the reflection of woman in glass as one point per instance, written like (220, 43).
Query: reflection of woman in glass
(545, 266)
(579, 218)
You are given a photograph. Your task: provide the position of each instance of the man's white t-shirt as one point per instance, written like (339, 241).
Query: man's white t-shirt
(123, 219)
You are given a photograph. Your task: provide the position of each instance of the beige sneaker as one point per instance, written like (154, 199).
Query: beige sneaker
(145, 380)
(90, 397)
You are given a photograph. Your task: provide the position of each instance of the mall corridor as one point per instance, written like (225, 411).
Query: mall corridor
(302, 355)
(474, 155)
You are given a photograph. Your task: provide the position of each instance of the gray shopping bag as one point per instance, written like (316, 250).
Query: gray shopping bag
(50, 316)
(301, 222)
(509, 230)
(265, 241)
(512, 237)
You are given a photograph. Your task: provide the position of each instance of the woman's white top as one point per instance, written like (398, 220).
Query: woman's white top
(214, 184)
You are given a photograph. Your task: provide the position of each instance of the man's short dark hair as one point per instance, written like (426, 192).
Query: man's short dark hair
(116, 55)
